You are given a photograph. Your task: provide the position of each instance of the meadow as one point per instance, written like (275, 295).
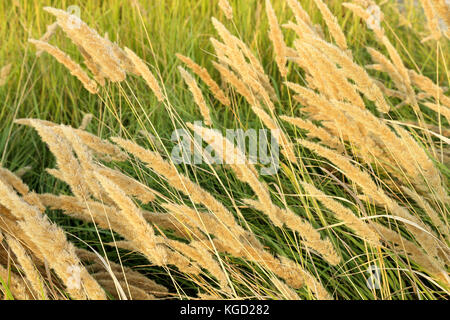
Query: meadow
(93, 98)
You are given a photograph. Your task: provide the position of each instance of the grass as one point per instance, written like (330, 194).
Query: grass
(156, 31)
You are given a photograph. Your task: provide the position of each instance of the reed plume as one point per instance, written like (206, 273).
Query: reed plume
(300, 14)
(87, 119)
(225, 6)
(315, 131)
(356, 73)
(280, 136)
(178, 180)
(197, 94)
(65, 60)
(252, 250)
(333, 25)
(144, 72)
(15, 283)
(29, 269)
(363, 230)
(421, 232)
(143, 236)
(374, 191)
(279, 217)
(52, 244)
(98, 48)
(4, 74)
(204, 75)
(432, 20)
(277, 39)
(402, 246)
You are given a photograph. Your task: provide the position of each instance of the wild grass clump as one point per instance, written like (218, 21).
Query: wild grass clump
(357, 187)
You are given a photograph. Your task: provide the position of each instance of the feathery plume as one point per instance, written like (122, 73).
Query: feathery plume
(204, 75)
(98, 48)
(372, 16)
(432, 20)
(257, 67)
(335, 83)
(423, 203)
(110, 286)
(129, 185)
(178, 180)
(198, 253)
(121, 272)
(15, 283)
(29, 269)
(14, 181)
(403, 246)
(71, 65)
(332, 24)
(286, 291)
(51, 30)
(53, 245)
(397, 61)
(106, 150)
(251, 250)
(388, 66)
(203, 221)
(240, 87)
(144, 72)
(423, 234)
(239, 163)
(106, 217)
(68, 165)
(287, 147)
(85, 161)
(300, 14)
(439, 109)
(277, 38)
(363, 81)
(225, 6)
(315, 131)
(95, 69)
(442, 8)
(100, 147)
(22, 171)
(197, 94)
(87, 118)
(344, 214)
(4, 74)
(427, 85)
(143, 236)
